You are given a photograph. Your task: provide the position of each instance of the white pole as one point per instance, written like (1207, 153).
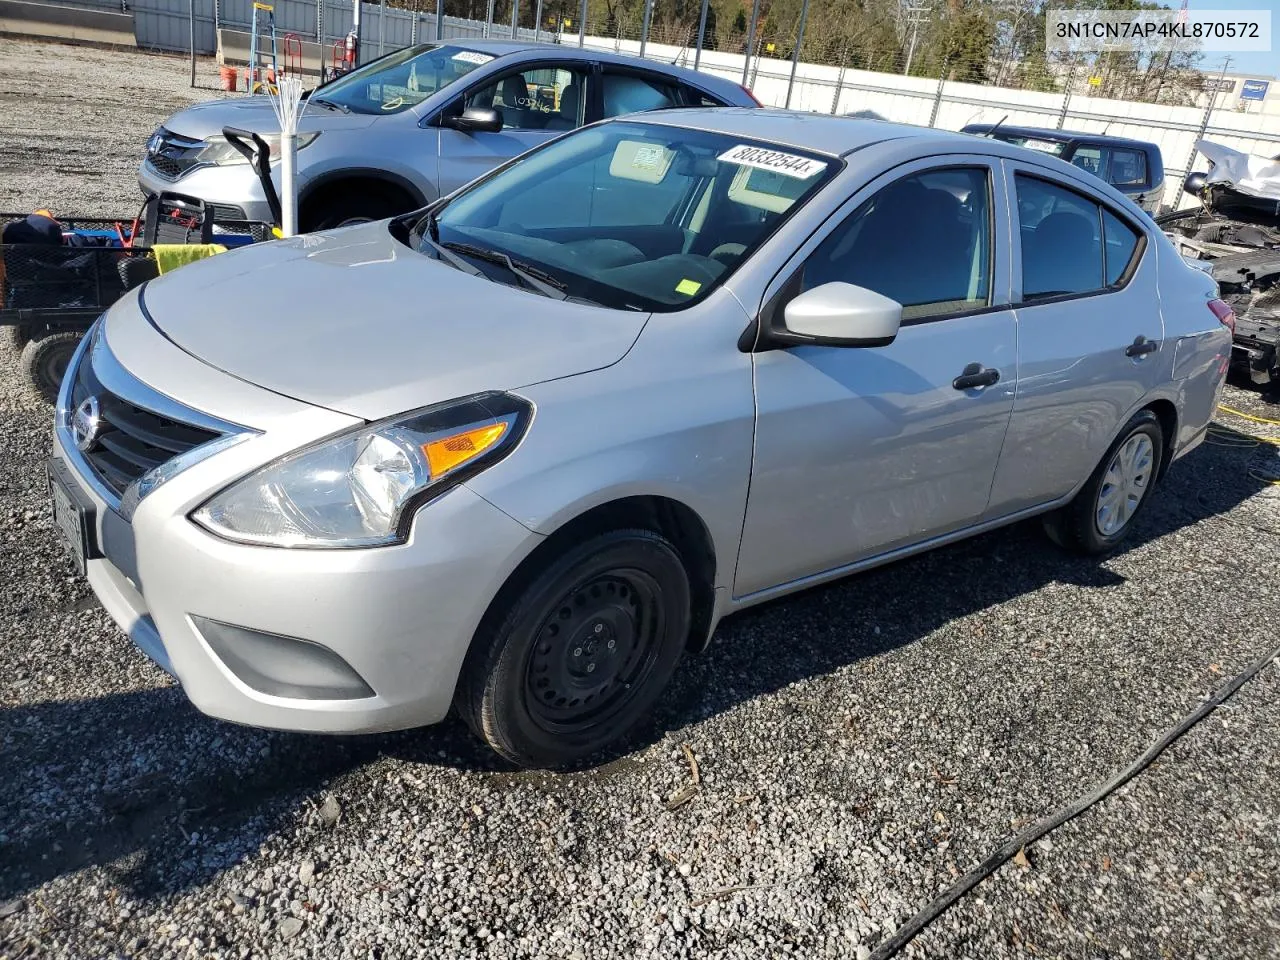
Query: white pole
(289, 108)
(289, 184)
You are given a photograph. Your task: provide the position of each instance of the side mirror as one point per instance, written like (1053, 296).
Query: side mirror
(1194, 183)
(475, 120)
(841, 315)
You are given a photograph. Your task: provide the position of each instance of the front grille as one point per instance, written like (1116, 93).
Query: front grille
(224, 211)
(170, 155)
(131, 440)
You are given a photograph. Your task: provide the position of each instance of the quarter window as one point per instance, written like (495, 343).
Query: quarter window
(924, 241)
(1128, 168)
(540, 98)
(1063, 249)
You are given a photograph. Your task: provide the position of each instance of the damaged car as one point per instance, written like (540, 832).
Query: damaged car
(1235, 233)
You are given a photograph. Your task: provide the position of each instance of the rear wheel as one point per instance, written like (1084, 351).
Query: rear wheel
(580, 653)
(45, 359)
(1102, 513)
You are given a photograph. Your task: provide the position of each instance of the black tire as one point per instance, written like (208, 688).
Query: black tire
(358, 206)
(1077, 527)
(45, 359)
(574, 658)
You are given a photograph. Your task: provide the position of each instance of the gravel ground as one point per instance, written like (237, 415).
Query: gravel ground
(859, 746)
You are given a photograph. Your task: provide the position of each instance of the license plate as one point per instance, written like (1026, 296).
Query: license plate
(72, 515)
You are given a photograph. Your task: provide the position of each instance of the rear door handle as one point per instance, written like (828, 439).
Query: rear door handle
(1141, 347)
(975, 376)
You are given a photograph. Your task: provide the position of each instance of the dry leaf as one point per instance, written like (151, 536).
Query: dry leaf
(1106, 863)
(682, 796)
(1020, 858)
(1215, 668)
(477, 810)
(743, 798)
(693, 763)
(939, 817)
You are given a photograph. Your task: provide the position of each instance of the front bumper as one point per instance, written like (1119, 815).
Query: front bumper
(229, 189)
(400, 618)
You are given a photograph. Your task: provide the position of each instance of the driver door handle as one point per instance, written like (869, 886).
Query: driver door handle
(1141, 346)
(975, 376)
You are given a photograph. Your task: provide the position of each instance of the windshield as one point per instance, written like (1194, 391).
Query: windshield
(401, 80)
(633, 215)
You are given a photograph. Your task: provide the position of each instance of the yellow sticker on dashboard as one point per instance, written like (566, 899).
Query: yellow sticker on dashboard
(688, 287)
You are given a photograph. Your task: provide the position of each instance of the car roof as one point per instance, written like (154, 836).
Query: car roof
(558, 51)
(1059, 136)
(817, 132)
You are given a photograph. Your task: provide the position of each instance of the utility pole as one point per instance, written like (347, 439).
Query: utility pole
(582, 25)
(916, 15)
(644, 27)
(439, 20)
(702, 30)
(488, 20)
(515, 17)
(751, 40)
(795, 54)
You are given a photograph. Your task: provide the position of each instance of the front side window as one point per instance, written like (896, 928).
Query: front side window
(404, 79)
(1070, 244)
(632, 92)
(635, 215)
(537, 98)
(924, 241)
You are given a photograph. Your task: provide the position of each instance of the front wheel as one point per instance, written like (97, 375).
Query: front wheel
(1102, 513)
(581, 653)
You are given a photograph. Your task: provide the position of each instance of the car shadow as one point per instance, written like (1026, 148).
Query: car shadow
(163, 798)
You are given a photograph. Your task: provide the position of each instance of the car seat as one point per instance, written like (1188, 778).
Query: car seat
(1062, 255)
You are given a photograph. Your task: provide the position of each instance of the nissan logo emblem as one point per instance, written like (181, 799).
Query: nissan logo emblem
(85, 424)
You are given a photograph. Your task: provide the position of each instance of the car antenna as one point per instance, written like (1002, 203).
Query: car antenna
(992, 131)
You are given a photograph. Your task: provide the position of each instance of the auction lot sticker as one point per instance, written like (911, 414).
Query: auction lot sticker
(788, 164)
(470, 56)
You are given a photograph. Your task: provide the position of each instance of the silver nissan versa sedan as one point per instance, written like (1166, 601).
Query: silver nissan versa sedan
(520, 451)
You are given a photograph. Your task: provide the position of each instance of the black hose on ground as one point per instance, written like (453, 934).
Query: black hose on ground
(908, 931)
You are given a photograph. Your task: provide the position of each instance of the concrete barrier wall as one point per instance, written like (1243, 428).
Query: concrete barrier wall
(22, 18)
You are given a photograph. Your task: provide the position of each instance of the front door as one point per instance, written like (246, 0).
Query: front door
(863, 450)
(1090, 336)
(538, 102)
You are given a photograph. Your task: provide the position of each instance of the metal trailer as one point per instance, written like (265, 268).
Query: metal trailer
(50, 293)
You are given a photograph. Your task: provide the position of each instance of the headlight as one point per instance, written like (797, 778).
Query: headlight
(361, 488)
(218, 151)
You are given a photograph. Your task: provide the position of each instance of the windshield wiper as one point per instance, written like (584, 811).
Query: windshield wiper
(425, 230)
(544, 283)
(321, 101)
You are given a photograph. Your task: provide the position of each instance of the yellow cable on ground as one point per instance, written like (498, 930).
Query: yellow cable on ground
(1248, 416)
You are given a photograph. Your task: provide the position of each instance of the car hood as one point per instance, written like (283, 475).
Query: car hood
(357, 322)
(255, 114)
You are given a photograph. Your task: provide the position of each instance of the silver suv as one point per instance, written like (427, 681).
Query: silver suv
(415, 125)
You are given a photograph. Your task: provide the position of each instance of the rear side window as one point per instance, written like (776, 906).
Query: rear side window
(924, 241)
(1122, 243)
(632, 92)
(696, 98)
(1070, 244)
(1128, 168)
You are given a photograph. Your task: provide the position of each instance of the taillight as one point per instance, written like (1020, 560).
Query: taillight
(1226, 316)
(753, 97)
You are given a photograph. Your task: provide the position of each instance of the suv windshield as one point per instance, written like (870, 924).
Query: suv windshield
(402, 79)
(639, 216)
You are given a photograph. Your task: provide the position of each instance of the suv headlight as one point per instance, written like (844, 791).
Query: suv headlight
(218, 151)
(361, 488)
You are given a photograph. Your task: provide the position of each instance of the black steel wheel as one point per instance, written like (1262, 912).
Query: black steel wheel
(575, 658)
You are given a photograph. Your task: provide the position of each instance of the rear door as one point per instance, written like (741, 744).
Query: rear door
(863, 450)
(1090, 335)
(538, 101)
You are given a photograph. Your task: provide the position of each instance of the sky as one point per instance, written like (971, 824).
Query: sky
(1263, 64)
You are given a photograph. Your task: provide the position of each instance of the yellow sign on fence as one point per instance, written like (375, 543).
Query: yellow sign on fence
(1095, 81)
